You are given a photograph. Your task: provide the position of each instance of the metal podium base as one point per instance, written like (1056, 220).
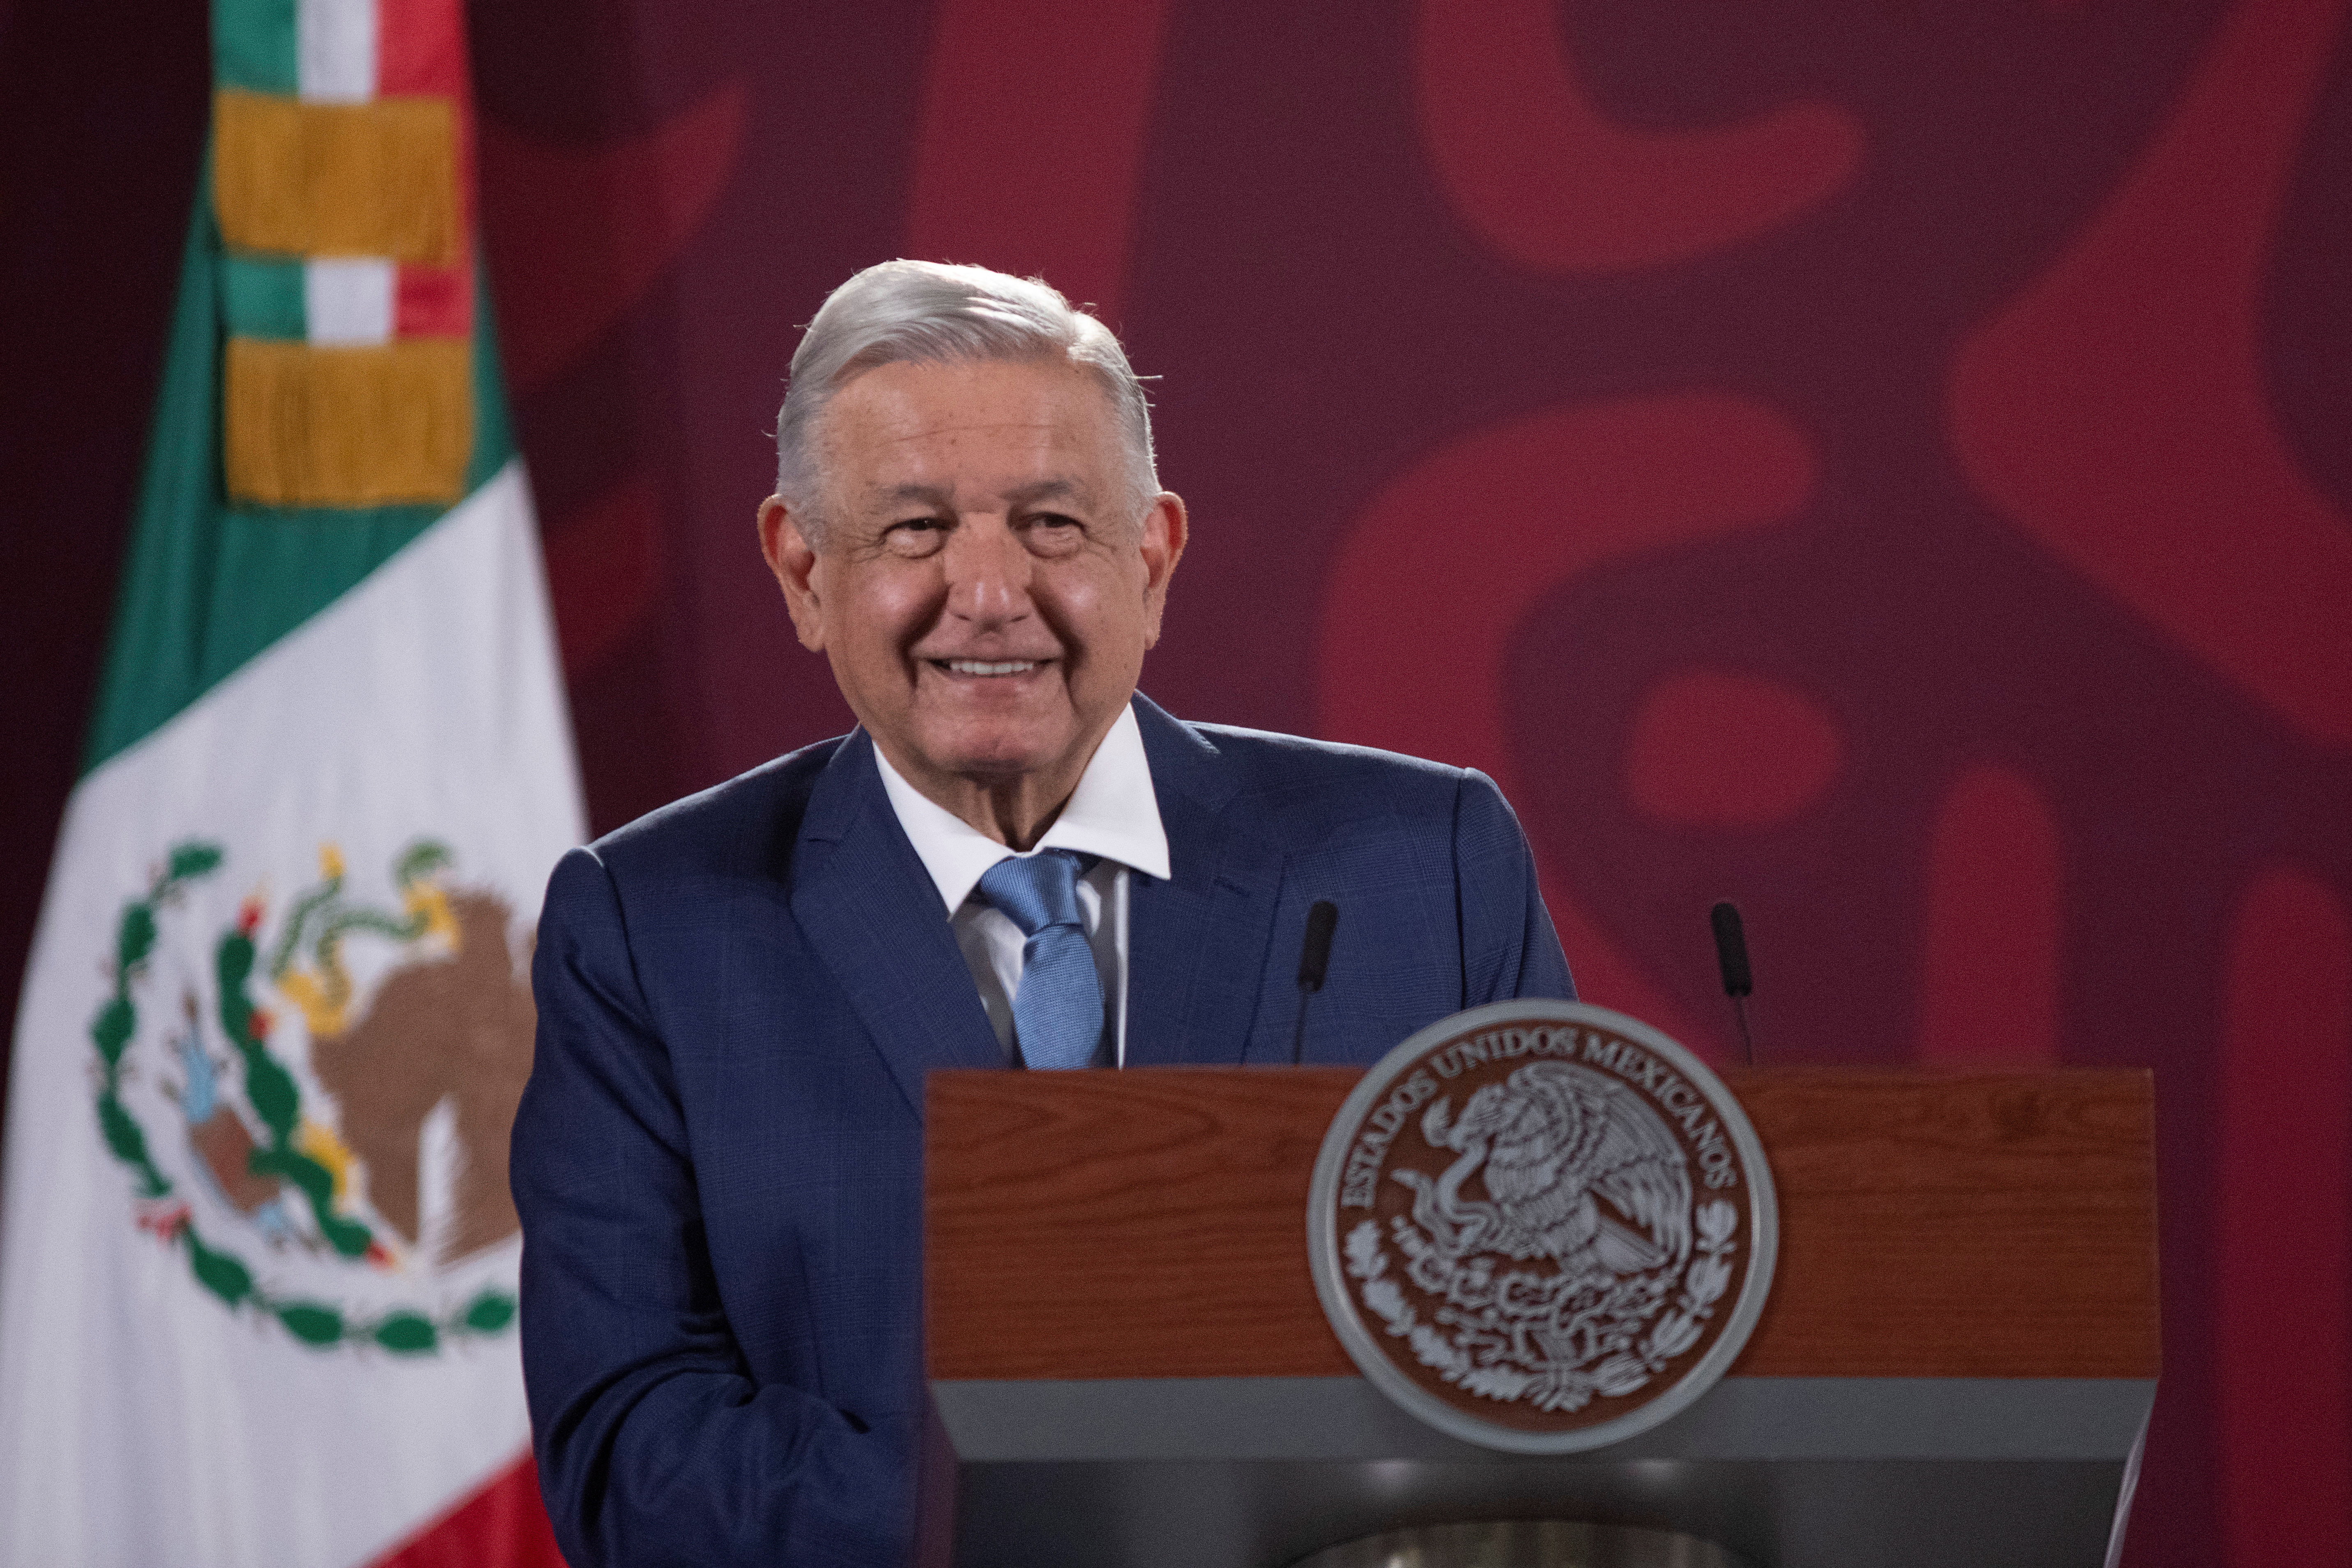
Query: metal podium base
(1524, 1543)
(1784, 1472)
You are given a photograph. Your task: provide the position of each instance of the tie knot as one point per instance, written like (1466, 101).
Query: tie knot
(1035, 890)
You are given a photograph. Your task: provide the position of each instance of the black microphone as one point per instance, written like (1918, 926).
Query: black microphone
(1731, 957)
(1314, 963)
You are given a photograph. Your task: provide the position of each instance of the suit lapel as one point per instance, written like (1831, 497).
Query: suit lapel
(860, 895)
(1197, 943)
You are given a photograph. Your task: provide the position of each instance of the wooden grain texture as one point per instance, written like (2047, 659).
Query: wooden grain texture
(1152, 1224)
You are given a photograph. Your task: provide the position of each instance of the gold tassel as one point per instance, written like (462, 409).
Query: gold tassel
(348, 427)
(337, 179)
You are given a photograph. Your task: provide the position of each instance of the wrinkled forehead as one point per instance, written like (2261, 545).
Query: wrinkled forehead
(974, 491)
(979, 434)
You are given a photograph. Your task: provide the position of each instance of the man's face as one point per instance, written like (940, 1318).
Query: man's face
(986, 593)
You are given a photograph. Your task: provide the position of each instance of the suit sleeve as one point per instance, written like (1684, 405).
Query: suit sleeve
(1509, 947)
(654, 1447)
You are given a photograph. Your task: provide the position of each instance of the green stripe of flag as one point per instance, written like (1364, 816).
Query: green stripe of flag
(208, 585)
(263, 298)
(256, 45)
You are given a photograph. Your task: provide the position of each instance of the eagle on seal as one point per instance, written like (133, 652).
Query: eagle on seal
(1552, 1139)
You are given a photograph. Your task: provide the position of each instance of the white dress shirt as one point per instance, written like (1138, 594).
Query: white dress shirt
(1113, 815)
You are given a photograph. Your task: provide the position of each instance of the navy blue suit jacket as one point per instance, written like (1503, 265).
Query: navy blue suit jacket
(719, 1157)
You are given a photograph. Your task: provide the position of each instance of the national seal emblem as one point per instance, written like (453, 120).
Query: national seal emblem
(1542, 1226)
(311, 1102)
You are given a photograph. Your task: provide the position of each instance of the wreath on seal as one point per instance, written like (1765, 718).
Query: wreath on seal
(290, 1153)
(1554, 1340)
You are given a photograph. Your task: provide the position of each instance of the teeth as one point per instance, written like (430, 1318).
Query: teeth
(974, 666)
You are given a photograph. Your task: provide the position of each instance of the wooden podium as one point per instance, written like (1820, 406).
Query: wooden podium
(1130, 1366)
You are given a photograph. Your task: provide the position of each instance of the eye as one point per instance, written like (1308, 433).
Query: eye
(914, 536)
(1053, 532)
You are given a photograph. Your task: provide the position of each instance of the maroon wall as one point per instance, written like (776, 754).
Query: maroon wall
(1884, 465)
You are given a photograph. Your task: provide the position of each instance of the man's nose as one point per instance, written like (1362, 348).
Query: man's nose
(988, 571)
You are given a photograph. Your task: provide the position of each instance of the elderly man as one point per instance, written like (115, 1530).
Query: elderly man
(1015, 861)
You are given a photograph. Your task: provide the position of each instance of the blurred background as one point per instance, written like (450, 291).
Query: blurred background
(1884, 465)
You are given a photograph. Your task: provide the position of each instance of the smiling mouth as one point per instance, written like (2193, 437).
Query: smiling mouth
(987, 667)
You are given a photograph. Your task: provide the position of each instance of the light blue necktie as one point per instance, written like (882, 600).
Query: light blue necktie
(1057, 1009)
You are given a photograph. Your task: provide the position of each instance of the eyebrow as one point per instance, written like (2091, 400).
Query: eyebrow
(1027, 495)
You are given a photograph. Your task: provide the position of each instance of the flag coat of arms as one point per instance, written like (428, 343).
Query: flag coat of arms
(257, 1258)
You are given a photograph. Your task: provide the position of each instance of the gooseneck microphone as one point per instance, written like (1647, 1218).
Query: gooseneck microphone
(1314, 963)
(1731, 957)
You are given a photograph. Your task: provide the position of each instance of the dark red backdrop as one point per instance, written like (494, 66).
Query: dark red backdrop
(1884, 465)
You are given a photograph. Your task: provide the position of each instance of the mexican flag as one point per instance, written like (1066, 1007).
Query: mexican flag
(257, 1258)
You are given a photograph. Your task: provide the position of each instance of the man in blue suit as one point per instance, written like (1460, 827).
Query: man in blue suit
(1015, 861)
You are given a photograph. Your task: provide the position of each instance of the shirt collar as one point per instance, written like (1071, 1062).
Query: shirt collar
(1113, 813)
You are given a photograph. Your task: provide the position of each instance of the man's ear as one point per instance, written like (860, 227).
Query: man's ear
(799, 570)
(1162, 546)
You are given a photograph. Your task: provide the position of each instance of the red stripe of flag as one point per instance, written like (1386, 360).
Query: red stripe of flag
(434, 302)
(421, 52)
(502, 1525)
(420, 48)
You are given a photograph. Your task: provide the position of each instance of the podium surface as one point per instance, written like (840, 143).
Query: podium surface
(1131, 1365)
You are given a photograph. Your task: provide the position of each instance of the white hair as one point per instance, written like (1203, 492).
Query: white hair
(933, 314)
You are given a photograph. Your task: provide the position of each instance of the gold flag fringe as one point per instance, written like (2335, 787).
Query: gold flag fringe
(337, 179)
(348, 427)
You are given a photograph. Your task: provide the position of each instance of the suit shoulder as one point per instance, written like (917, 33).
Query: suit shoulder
(746, 822)
(1272, 755)
(1290, 774)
